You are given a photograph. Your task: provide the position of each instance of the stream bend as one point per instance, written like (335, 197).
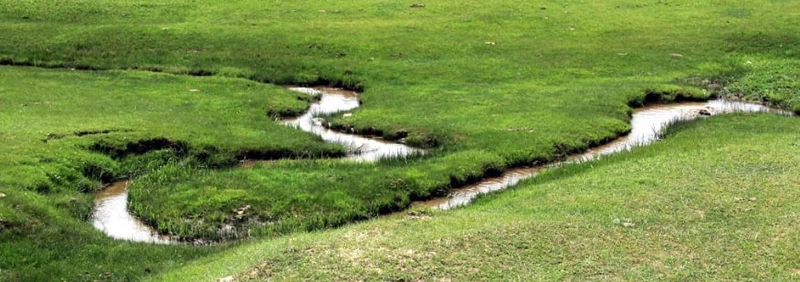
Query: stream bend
(111, 215)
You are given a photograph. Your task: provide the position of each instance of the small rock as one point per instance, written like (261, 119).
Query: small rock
(704, 112)
(227, 279)
(628, 224)
(490, 43)
(737, 199)
(418, 5)
(753, 199)
(676, 55)
(254, 274)
(701, 214)
(241, 210)
(2, 195)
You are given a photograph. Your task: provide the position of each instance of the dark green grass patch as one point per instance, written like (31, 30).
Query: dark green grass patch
(770, 80)
(287, 196)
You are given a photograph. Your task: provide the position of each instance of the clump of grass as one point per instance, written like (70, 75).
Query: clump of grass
(771, 81)
(287, 196)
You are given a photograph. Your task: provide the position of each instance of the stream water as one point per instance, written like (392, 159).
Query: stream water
(646, 125)
(112, 216)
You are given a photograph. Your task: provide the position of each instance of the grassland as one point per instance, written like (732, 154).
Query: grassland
(64, 132)
(714, 201)
(486, 84)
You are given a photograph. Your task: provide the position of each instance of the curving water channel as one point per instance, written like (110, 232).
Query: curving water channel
(112, 216)
(360, 148)
(646, 125)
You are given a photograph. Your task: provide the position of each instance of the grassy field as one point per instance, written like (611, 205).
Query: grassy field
(64, 131)
(176, 92)
(715, 201)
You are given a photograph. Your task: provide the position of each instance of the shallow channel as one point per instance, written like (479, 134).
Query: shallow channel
(112, 216)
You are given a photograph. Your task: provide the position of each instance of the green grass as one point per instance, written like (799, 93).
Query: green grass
(714, 201)
(557, 71)
(40, 242)
(291, 195)
(43, 233)
(560, 76)
(57, 124)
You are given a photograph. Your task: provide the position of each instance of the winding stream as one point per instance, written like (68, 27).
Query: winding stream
(361, 149)
(112, 216)
(646, 125)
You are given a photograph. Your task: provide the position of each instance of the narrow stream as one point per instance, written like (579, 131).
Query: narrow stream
(646, 125)
(112, 216)
(360, 148)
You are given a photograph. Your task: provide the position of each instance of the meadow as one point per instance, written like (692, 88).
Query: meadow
(698, 205)
(175, 94)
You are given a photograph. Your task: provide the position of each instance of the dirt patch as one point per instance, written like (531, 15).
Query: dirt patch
(139, 147)
(81, 133)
